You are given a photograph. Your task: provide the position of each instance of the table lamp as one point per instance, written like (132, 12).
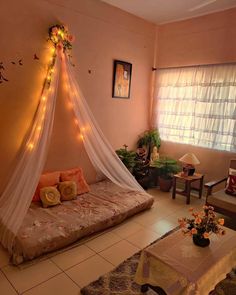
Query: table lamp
(189, 160)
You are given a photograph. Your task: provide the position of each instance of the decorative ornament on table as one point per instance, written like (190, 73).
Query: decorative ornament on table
(202, 225)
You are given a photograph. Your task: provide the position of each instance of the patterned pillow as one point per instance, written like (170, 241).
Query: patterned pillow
(68, 190)
(231, 185)
(47, 179)
(77, 176)
(49, 196)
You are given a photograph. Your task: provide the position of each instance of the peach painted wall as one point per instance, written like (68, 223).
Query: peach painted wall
(209, 39)
(103, 33)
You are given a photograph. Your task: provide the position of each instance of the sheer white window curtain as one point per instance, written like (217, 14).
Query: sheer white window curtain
(197, 105)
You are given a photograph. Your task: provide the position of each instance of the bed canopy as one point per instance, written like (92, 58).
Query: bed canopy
(17, 196)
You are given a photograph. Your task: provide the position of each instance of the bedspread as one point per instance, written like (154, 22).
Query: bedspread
(48, 229)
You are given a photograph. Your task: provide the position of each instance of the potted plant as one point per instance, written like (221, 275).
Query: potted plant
(127, 157)
(149, 139)
(167, 167)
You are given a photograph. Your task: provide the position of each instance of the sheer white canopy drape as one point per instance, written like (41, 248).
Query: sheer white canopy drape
(99, 150)
(16, 198)
(197, 105)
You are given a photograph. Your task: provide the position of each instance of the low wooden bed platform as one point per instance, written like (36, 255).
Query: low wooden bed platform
(46, 230)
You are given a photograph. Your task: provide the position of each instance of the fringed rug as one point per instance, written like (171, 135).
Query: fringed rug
(121, 280)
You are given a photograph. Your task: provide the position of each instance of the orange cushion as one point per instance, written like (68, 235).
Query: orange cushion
(47, 179)
(77, 176)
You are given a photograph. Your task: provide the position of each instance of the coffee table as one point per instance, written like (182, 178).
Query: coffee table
(174, 265)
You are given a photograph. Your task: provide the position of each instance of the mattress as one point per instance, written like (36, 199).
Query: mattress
(47, 229)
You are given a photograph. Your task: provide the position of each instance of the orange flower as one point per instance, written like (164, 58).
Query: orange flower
(71, 38)
(197, 220)
(221, 221)
(193, 231)
(206, 235)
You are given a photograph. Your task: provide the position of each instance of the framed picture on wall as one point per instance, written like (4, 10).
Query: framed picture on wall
(121, 79)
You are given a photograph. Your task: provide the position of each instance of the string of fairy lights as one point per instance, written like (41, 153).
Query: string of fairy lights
(62, 42)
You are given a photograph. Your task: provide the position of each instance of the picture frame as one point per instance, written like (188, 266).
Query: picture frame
(121, 79)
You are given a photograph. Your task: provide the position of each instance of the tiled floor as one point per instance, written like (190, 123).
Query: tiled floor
(67, 272)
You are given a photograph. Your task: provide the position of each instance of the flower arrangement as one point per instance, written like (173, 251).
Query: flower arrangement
(203, 223)
(60, 37)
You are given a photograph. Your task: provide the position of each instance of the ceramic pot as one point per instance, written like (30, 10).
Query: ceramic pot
(200, 241)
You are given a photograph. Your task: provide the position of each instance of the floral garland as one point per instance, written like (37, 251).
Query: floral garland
(62, 41)
(60, 37)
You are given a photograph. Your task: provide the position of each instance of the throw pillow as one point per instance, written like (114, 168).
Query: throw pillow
(49, 196)
(231, 185)
(47, 179)
(232, 171)
(68, 190)
(77, 176)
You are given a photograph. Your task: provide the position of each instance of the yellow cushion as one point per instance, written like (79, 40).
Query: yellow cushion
(68, 190)
(49, 196)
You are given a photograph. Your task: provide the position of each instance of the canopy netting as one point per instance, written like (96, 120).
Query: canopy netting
(17, 196)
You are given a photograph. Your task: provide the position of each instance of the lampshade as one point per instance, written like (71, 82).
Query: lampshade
(190, 159)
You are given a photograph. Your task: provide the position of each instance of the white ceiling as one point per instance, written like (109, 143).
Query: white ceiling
(165, 11)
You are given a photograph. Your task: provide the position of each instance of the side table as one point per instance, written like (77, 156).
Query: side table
(188, 180)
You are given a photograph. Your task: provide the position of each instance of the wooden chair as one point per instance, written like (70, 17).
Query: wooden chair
(222, 202)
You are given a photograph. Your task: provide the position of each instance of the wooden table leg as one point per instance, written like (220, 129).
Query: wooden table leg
(188, 183)
(200, 187)
(174, 188)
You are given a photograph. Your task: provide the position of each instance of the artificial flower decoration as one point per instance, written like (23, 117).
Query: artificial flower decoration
(202, 223)
(60, 37)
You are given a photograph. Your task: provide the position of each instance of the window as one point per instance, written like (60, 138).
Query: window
(197, 105)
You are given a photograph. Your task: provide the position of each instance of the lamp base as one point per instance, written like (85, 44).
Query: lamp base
(188, 170)
(191, 171)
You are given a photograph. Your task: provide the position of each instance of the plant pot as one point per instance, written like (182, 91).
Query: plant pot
(200, 241)
(165, 184)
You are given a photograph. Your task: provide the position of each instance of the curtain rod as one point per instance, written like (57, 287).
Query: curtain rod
(191, 66)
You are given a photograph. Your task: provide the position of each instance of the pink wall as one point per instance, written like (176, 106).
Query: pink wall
(103, 33)
(209, 39)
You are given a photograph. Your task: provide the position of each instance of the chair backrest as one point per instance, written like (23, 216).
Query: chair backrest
(232, 164)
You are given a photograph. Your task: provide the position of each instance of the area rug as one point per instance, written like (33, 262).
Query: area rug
(121, 280)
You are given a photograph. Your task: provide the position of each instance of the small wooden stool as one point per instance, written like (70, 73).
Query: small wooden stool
(188, 180)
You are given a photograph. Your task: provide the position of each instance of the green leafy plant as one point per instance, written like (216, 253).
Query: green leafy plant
(149, 138)
(127, 157)
(167, 167)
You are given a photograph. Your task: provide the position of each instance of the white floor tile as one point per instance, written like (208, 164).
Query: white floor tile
(89, 270)
(72, 257)
(119, 252)
(26, 278)
(102, 242)
(58, 285)
(5, 287)
(126, 229)
(163, 226)
(143, 238)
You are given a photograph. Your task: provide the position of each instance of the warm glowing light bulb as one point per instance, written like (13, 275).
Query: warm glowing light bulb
(30, 146)
(39, 128)
(81, 137)
(43, 98)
